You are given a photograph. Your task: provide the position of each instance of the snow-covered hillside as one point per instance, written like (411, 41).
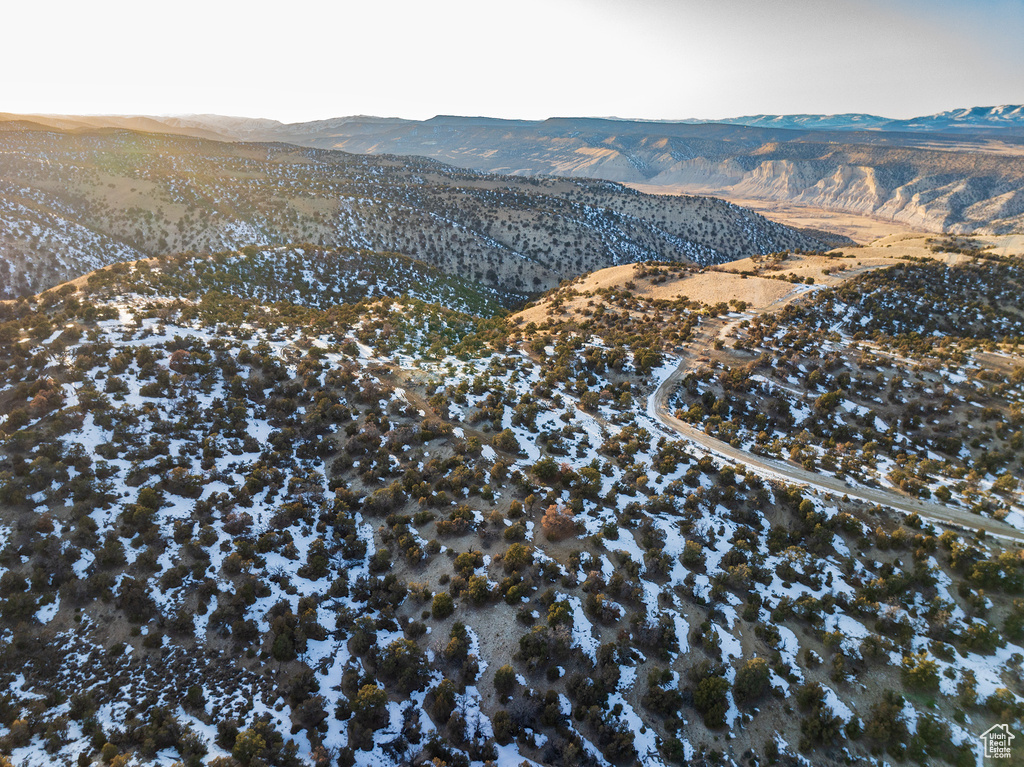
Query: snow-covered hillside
(245, 526)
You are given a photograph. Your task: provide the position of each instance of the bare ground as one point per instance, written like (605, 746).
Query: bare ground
(765, 285)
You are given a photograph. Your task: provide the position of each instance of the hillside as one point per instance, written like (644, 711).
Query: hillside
(305, 275)
(957, 172)
(932, 316)
(74, 200)
(263, 508)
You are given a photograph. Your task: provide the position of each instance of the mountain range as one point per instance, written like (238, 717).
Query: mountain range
(1006, 119)
(957, 172)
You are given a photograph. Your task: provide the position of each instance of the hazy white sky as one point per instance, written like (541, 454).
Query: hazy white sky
(655, 59)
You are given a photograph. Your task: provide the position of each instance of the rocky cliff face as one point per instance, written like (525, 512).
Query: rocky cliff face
(922, 194)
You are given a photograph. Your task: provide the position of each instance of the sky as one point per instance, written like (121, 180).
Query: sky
(530, 59)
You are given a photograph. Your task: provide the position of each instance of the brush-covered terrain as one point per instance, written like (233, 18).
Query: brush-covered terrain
(956, 172)
(71, 201)
(292, 506)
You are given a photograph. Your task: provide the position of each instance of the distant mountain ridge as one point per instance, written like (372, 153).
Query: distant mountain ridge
(1007, 119)
(972, 119)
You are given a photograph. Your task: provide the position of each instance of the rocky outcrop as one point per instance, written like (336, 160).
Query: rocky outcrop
(923, 197)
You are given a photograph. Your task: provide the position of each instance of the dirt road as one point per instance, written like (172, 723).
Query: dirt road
(821, 482)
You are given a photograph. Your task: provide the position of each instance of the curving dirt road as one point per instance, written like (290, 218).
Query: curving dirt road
(658, 407)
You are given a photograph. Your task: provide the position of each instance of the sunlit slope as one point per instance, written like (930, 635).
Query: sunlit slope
(72, 201)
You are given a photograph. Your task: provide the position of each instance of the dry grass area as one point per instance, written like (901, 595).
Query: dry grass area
(1007, 245)
(760, 282)
(709, 287)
